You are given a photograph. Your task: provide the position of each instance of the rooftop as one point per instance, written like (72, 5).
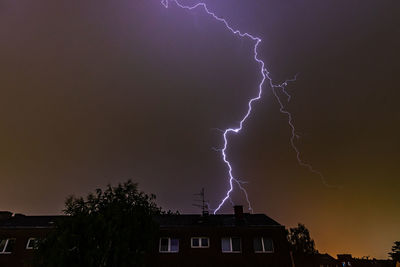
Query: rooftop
(22, 221)
(183, 220)
(8, 220)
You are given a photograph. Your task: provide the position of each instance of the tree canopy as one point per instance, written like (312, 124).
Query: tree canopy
(395, 254)
(300, 241)
(114, 227)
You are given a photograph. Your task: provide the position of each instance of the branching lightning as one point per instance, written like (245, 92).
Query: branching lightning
(275, 87)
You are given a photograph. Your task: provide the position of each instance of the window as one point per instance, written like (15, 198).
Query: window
(168, 244)
(7, 245)
(200, 242)
(231, 244)
(262, 245)
(32, 243)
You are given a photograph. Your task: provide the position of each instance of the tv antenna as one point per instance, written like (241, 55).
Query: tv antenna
(204, 203)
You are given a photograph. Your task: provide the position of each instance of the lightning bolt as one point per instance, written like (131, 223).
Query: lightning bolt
(275, 87)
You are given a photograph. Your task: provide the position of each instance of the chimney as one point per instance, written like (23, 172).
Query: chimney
(238, 212)
(5, 215)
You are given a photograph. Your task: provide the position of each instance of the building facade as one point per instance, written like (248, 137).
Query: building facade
(238, 239)
(18, 237)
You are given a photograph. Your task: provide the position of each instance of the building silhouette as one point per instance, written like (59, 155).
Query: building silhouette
(238, 239)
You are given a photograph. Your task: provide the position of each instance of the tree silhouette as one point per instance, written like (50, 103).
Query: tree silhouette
(395, 254)
(300, 241)
(114, 227)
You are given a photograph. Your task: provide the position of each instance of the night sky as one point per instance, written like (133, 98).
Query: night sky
(99, 91)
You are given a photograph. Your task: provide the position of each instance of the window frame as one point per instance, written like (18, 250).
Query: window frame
(6, 244)
(200, 245)
(169, 245)
(230, 242)
(27, 243)
(263, 246)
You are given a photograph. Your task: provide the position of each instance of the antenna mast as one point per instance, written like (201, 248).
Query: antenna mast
(204, 203)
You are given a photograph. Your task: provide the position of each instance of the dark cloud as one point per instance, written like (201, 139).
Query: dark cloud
(102, 91)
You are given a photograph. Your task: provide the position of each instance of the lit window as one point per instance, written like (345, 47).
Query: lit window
(231, 244)
(263, 245)
(200, 242)
(32, 243)
(169, 245)
(7, 245)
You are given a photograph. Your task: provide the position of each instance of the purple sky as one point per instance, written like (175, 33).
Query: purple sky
(97, 92)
